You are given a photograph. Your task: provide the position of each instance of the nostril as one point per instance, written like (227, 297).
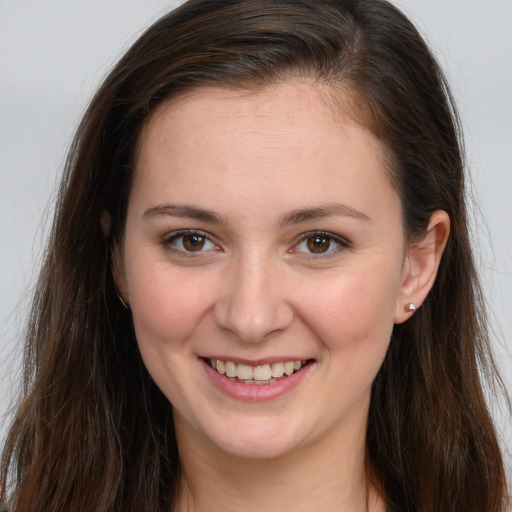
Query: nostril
(253, 324)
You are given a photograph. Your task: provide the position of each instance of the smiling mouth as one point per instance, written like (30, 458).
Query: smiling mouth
(260, 375)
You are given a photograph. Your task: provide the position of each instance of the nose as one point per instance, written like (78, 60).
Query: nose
(252, 302)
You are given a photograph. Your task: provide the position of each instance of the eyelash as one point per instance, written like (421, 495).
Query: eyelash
(176, 235)
(341, 242)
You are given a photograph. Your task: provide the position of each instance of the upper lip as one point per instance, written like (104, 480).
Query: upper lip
(257, 362)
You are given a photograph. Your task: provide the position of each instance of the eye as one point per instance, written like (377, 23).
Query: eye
(189, 241)
(320, 243)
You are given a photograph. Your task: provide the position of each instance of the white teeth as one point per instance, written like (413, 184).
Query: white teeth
(289, 366)
(261, 374)
(221, 367)
(244, 372)
(230, 369)
(277, 369)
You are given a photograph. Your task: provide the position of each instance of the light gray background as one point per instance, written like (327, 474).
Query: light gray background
(53, 54)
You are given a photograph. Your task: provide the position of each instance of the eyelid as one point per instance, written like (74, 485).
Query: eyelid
(342, 241)
(173, 235)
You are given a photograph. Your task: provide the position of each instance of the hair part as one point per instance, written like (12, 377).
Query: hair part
(93, 432)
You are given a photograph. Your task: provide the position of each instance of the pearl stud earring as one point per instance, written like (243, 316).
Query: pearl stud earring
(409, 308)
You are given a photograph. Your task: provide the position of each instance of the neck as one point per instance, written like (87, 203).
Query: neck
(329, 476)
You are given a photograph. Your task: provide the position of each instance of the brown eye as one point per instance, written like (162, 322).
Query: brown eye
(190, 243)
(194, 242)
(318, 243)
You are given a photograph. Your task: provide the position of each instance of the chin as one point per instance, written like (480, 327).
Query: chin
(257, 440)
(259, 449)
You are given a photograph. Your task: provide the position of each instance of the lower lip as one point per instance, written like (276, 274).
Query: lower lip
(255, 392)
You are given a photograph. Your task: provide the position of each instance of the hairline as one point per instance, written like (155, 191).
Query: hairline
(347, 105)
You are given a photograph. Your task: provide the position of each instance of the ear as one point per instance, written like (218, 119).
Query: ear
(117, 269)
(421, 264)
(118, 273)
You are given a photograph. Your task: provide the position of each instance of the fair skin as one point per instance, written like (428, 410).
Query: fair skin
(293, 250)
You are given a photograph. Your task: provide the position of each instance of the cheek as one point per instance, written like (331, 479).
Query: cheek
(353, 321)
(167, 306)
(353, 313)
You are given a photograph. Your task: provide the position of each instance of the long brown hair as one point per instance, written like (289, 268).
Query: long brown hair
(92, 431)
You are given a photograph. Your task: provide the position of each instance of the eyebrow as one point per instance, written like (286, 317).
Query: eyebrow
(321, 212)
(294, 217)
(185, 211)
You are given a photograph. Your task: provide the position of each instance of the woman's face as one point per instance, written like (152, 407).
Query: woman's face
(262, 232)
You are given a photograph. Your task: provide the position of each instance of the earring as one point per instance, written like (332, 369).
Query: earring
(409, 308)
(122, 301)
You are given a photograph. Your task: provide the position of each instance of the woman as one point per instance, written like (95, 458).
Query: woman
(259, 290)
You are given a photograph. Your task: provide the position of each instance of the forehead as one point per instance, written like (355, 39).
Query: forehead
(290, 136)
(286, 103)
(282, 103)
